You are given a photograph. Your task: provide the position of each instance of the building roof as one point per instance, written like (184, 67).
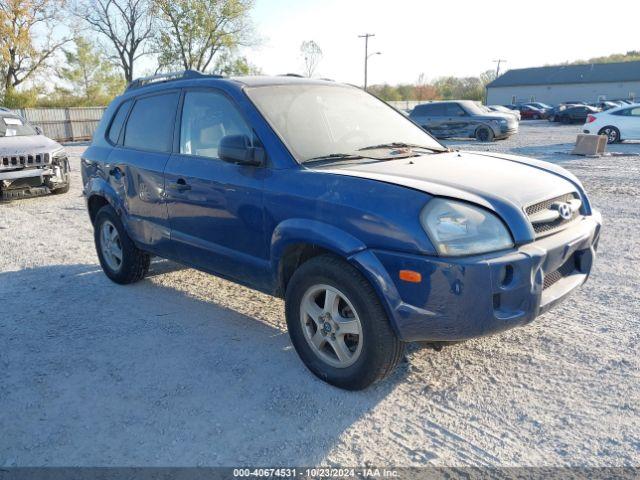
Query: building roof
(589, 73)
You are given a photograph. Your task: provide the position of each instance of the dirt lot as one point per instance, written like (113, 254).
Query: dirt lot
(186, 369)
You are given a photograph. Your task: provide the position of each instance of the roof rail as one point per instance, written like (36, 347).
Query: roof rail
(167, 77)
(297, 75)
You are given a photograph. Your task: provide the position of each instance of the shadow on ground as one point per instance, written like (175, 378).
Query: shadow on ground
(101, 374)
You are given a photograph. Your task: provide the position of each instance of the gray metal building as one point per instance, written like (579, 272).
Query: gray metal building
(553, 85)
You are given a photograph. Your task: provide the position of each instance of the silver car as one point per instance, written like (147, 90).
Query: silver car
(30, 163)
(463, 118)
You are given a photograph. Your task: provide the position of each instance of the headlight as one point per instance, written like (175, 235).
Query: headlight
(457, 228)
(59, 153)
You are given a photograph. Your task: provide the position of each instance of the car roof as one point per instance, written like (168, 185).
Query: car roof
(622, 107)
(192, 77)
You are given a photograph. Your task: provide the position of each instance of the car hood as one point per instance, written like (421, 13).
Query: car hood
(503, 183)
(26, 145)
(495, 116)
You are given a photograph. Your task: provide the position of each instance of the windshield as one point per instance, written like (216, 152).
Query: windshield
(474, 108)
(12, 126)
(316, 121)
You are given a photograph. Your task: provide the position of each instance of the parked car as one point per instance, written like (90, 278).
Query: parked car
(575, 114)
(541, 106)
(604, 105)
(30, 163)
(463, 118)
(618, 124)
(373, 232)
(503, 109)
(528, 112)
(553, 115)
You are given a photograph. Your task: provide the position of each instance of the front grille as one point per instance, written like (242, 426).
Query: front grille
(547, 227)
(565, 270)
(18, 161)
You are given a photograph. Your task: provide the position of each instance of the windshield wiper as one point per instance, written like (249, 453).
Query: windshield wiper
(335, 156)
(400, 145)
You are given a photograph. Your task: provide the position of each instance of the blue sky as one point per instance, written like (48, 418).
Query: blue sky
(453, 37)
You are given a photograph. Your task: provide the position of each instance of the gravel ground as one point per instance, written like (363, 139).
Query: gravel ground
(187, 369)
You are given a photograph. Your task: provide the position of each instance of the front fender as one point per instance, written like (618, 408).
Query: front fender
(302, 230)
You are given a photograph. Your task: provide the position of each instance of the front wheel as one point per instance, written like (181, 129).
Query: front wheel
(120, 259)
(338, 325)
(612, 133)
(484, 134)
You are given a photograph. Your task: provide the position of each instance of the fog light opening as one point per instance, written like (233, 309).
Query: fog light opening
(506, 275)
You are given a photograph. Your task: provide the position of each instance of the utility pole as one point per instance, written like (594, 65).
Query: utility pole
(366, 54)
(499, 61)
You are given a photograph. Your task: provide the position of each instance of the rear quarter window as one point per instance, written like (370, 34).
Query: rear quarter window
(118, 121)
(150, 124)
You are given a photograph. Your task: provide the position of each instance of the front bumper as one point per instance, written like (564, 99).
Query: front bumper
(507, 131)
(27, 182)
(462, 298)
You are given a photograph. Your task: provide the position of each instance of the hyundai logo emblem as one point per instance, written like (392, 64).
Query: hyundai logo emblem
(564, 209)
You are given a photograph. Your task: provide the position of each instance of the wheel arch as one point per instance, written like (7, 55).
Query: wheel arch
(98, 194)
(297, 240)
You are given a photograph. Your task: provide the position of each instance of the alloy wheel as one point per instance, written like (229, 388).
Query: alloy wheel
(331, 326)
(110, 245)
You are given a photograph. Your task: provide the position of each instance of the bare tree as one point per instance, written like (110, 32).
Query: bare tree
(21, 55)
(312, 54)
(126, 25)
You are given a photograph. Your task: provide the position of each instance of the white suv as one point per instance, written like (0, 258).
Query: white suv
(618, 124)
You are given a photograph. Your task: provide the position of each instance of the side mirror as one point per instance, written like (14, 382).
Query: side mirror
(238, 149)
(38, 130)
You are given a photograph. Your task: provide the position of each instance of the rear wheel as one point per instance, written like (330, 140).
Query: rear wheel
(338, 326)
(612, 133)
(565, 119)
(484, 134)
(120, 259)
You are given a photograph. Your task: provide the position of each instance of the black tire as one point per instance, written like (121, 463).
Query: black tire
(381, 349)
(612, 133)
(484, 134)
(565, 120)
(135, 263)
(536, 117)
(552, 118)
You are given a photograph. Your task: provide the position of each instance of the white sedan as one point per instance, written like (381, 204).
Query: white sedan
(618, 124)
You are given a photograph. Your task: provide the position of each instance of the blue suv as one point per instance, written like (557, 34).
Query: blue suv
(373, 232)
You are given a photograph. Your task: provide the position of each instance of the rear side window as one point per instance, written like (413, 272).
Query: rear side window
(150, 125)
(118, 121)
(454, 110)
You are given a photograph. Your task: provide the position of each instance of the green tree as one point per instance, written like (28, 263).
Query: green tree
(23, 51)
(92, 79)
(229, 65)
(193, 33)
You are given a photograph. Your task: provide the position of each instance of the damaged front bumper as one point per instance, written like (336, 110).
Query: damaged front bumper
(34, 181)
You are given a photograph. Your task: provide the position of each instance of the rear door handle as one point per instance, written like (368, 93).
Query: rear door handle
(181, 185)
